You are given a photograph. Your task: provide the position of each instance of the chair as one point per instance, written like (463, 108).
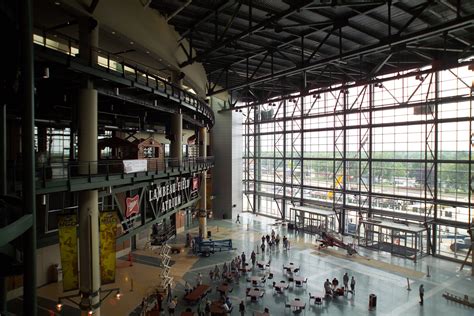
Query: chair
(270, 275)
(318, 301)
(297, 270)
(298, 284)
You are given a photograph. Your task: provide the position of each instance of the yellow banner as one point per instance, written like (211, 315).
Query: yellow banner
(108, 230)
(67, 225)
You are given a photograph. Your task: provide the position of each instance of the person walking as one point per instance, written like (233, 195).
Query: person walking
(422, 293)
(345, 280)
(169, 293)
(242, 308)
(253, 257)
(243, 259)
(353, 285)
(238, 219)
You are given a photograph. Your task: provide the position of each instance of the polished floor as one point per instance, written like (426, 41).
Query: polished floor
(375, 273)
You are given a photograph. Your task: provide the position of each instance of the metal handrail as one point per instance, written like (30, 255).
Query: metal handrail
(87, 169)
(140, 72)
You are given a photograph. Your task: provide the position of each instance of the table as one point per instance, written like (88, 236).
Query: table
(256, 278)
(291, 266)
(261, 264)
(315, 295)
(217, 309)
(297, 304)
(224, 288)
(255, 293)
(246, 269)
(199, 292)
(280, 286)
(299, 279)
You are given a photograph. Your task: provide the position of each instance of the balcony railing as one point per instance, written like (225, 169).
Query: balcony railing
(69, 170)
(124, 67)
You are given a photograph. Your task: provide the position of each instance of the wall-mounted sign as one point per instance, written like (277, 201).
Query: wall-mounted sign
(132, 204)
(136, 165)
(170, 195)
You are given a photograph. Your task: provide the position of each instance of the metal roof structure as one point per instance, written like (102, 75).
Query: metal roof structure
(258, 49)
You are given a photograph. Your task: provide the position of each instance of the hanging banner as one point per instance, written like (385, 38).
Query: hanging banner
(136, 165)
(108, 230)
(67, 226)
(132, 205)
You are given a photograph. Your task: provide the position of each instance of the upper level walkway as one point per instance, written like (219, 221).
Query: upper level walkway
(76, 176)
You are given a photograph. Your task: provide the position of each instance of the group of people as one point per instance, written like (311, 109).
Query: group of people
(332, 288)
(273, 241)
(229, 271)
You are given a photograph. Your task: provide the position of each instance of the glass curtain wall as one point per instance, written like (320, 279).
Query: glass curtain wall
(398, 149)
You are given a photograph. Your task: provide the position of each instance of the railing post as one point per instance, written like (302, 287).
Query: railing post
(89, 167)
(44, 175)
(107, 171)
(108, 62)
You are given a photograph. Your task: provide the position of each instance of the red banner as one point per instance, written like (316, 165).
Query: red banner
(132, 206)
(195, 183)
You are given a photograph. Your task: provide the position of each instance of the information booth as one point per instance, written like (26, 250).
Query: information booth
(398, 238)
(314, 220)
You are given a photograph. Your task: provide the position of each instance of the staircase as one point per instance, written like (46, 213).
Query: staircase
(165, 260)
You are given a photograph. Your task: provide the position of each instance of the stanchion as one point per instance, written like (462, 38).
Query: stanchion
(428, 275)
(131, 285)
(248, 228)
(130, 259)
(408, 282)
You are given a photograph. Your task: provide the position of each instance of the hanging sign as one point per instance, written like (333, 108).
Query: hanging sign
(67, 227)
(108, 231)
(133, 206)
(195, 183)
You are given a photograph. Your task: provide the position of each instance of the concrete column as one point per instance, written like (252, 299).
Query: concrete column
(176, 147)
(87, 155)
(202, 188)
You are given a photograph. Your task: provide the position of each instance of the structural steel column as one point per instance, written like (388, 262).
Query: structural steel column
(202, 188)
(88, 200)
(176, 147)
(28, 154)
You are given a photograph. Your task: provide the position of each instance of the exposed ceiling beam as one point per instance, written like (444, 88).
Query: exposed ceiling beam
(248, 31)
(363, 51)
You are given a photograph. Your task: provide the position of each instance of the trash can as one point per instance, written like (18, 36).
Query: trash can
(209, 234)
(372, 301)
(55, 273)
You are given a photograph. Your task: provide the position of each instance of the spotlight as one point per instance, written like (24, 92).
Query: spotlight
(118, 295)
(90, 312)
(46, 73)
(117, 91)
(59, 305)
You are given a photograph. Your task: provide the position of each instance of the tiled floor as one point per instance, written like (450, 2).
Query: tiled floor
(387, 280)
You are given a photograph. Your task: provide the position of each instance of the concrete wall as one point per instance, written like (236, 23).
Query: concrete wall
(227, 172)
